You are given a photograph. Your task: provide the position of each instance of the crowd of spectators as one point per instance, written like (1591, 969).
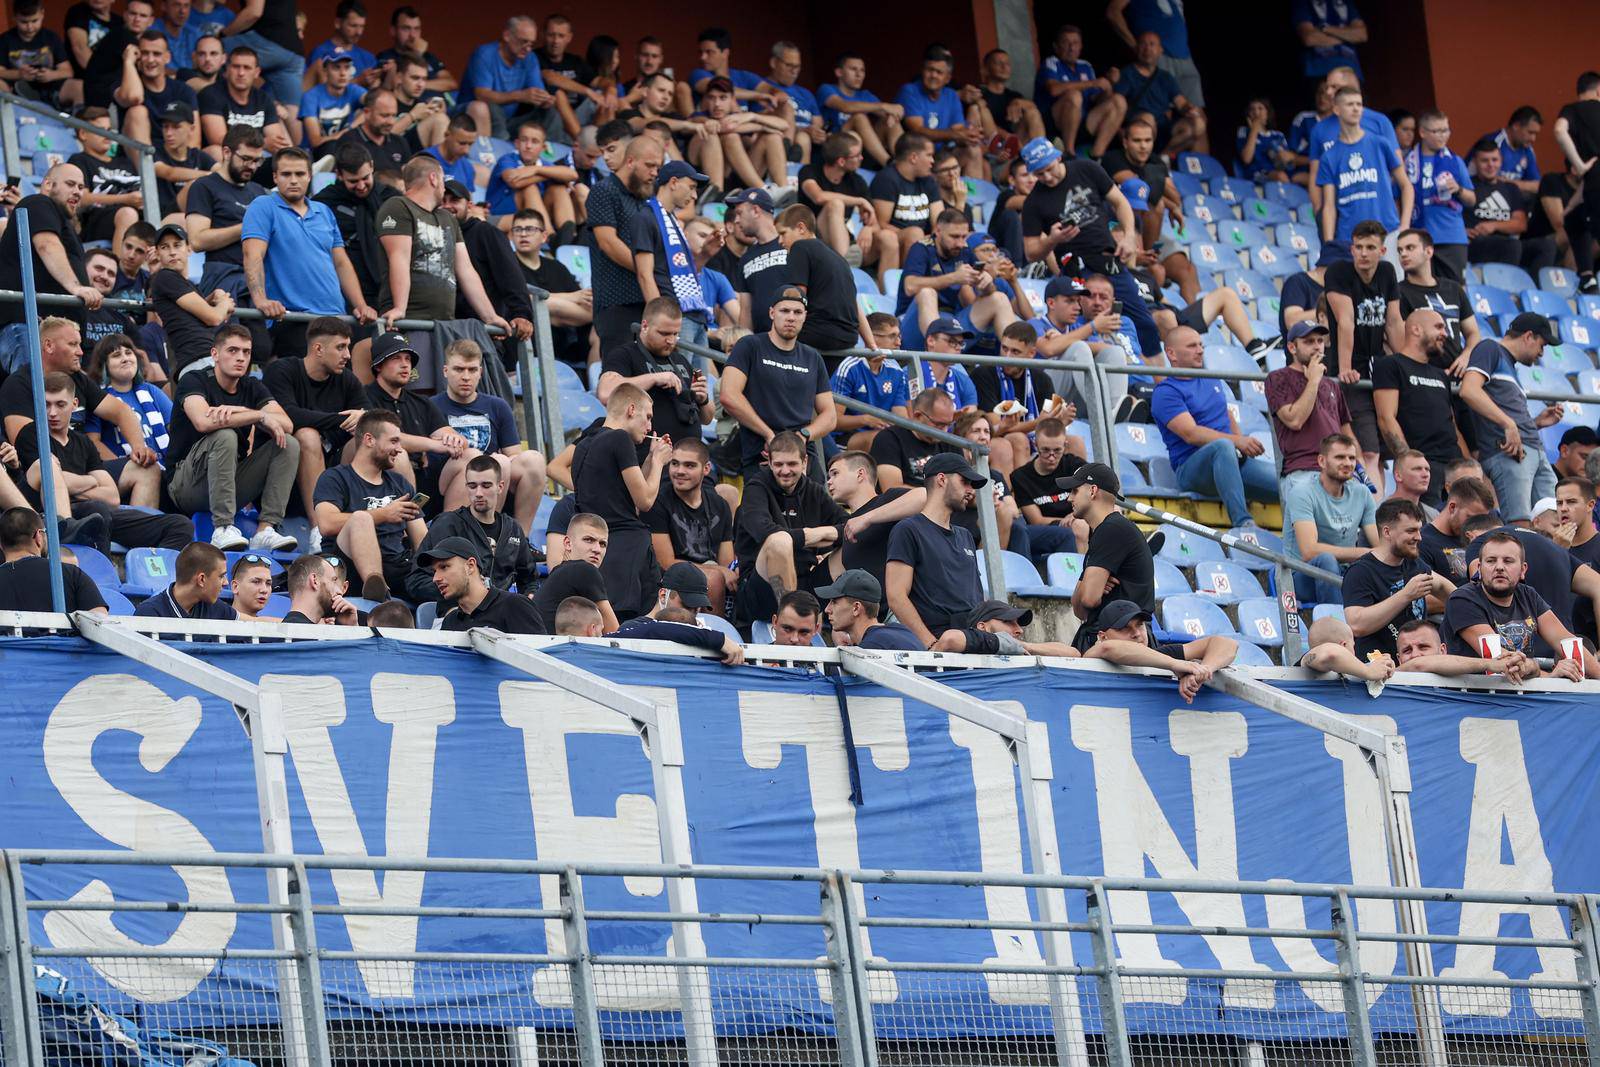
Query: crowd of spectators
(342, 194)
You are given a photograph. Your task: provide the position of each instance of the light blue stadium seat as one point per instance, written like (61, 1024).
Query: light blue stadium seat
(1063, 569)
(1241, 236)
(1164, 479)
(1550, 305)
(1265, 212)
(97, 565)
(1207, 209)
(1200, 165)
(576, 259)
(427, 615)
(1249, 284)
(1538, 379)
(1170, 581)
(1304, 215)
(1233, 190)
(1185, 549)
(1259, 621)
(1023, 577)
(1275, 261)
(1589, 306)
(43, 161)
(1230, 357)
(761, 634)
(150, 570)
(1252, 420)
(1558, 280)
(876, 302)
(1491, 300)
(1580, 331)
(1507, 277)
(1138, 441)
(567, 378)
(1134, 483)
(865, 283)
(716, 622)
(1187, 185)
(277, 607)
(1254, 535)
(1288, 194)
(1225, 582)
(580, 409)
(891, 281)
(197, 267)
(1254, 395)
(1299, 237)
(116, 603)
(1567, 359)
(1209, 257)
(1324, 611)
(1252, 655)
(1194, 617)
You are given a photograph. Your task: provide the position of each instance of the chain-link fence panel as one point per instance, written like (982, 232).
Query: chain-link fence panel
(969, 1018)
(1201, 1022)
(1486, 1026)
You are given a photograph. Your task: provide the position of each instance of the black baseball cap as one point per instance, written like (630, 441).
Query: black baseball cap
(689, 582)
(172, 229)
(1062, 285)
(1119, 613)
(1580, 435)
(1533, 322)
(952, 463)
(1093, 474)
(391, 344)
(991, 610)
(1304, 327)
(790, 292)
(457, 190)
(677, 168)
(759, 197)
(448, 548)
(176, 113)
(856, 584)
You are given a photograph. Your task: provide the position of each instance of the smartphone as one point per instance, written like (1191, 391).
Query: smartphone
(1116, 307)
(421, 500)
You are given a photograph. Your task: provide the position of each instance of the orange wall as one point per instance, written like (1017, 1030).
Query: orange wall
(1488, 58)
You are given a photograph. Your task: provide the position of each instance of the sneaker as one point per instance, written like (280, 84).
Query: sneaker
(1157, 540)
(1258, 349)
(375, 589)
(1132, 409)
(314, 547)
(268, 539)
(91, 531)
(1589, 283)
(229, 539)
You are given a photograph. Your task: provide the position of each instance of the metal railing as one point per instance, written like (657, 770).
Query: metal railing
(820, 966)
(142, 153)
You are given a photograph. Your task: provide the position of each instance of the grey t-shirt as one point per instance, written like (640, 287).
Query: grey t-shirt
(1490, 359)
(434, 237)
(1339, 519)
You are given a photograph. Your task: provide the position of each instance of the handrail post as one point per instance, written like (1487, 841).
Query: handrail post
(531, 417)
(549, 384)
(1105, 442)
(855, 1046)
(1358, 1025)
(585, 1012)
(1584, 931)
(16, 985)
(148, 189)
(1289, 615)
(1113, 1014)
(41, 426)
(9, 142)
(22, 949)
(993, 562)
(312, 1041)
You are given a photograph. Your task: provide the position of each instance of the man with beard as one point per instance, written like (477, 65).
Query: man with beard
(322, 398)
(454, 564)
(612, 206)
(215, 219)
(691, 523)
(375, 131)
(355, 199)
(1444, 542)
(773, 384)
(653, 363)
(505, 556)
(931, 579)
(763, 270)
(1411, 392)
(1306, 405)
(1390, 585)
(902, 454)
(785, 520)
(943, 277)
(1501, 606)
(853, 485)
(314, 596)
(368, 507)
(1118, 557)
(57, 257)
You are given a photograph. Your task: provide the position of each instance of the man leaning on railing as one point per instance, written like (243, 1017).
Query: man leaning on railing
(58, 266)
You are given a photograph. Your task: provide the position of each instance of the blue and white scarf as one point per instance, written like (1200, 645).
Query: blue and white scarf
(680, 261)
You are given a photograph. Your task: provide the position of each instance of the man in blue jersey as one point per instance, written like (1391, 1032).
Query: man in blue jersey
(1360, 172)
(1443, 192)
(716, 50)
(1326, 130)
(876, 380)
(942, 277)
(1519, 163)
(847, 106)
(784, 67)
(934, 110)
(1067, 89)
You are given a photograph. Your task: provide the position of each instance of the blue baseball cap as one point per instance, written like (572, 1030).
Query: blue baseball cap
(677, 168)
(758, 197)
(1038, 154)
(979, 239)
(1138, 194)
(1304, 327)
(947, 325)
(1063, 285)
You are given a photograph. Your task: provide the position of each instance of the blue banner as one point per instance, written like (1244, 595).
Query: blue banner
(410, 750)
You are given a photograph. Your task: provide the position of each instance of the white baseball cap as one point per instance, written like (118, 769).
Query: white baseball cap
(1545, 504)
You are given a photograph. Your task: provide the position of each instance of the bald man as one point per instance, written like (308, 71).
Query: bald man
(1411, 392)
(57, 257)
(612, 206)
(1209, 454)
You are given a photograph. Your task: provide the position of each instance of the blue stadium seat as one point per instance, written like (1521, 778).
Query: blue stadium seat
(150, 570)
(1255, 535)
(97, 565)
(1550, 305)
(580, 409)
(1187, 185)
(1252, 655)
(1254, 394)
(1275, 261)
(1022, 576)
(197, 267)
(1230, 357)
(716, 622)
(1304, 215)
(1259, 621)
(43, 161)
(1207, 209)
(1170, 581)
(576, 259)
(1185, 549)
(1225, 582)
(1589, 306)
(1249, 284)
(1288, 194)
(1507, 277)
(1194, 617)
(865, 283)
(567, 379)
(427, 615)
(1491, 300)
(1165, 479)
(1580, 331)
(1265, 324)
(1252, 421)
(1264, 212)
(1324, 611)
(875, 302)
(1240, 236)
(1567, 359)
(277, 607)
(1213, 258)
(1139, 441)
(1200, 165)
(1134, 483)
(299, 528)
(1538, 379)
(1233, 190)
(116, 603)
(1063, 569)
(1298, 236)
(1558, 280)
(891, 281)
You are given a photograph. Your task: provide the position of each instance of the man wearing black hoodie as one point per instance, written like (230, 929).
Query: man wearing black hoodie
(355, 199)
(505, 558)
(785, 520)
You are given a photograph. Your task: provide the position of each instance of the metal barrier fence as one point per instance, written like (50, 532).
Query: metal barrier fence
(1306, 973)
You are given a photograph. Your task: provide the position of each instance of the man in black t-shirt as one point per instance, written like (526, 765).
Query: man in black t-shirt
(322, 397)
(1117, 550)
(1065, 220)
(1500, 606)
(853, 485)
(691, 523)
(1423, 288)
(1411, 395)
(663, 260)
(586, 541)
(904, 193)
(901, 454)
(1577, 131)
(763, 270)
(103, 69)
(786, 521)
(35, 60)
(834, 319)
(1390, 585)
(440, 453)
(681, 404)
(216, 207)
(370, 509)
(355, 197)
(931, 579)
(57, 257)
(112, 199)
(1125, 639)
(189, 319)
(233, 100)
(831, 187)
(231, 444)
(25, 575)
(1444, 542)
(454, 565)
(1044, 505)
(1364, 301)
(1499, 217)
(773, 383)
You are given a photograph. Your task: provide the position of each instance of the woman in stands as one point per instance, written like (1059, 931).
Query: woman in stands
(118, 364)
(1262, 149)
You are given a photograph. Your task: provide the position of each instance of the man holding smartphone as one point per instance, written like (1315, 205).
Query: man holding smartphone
(370, 509)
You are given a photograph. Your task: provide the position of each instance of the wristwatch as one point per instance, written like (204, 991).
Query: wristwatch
(804, 431)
